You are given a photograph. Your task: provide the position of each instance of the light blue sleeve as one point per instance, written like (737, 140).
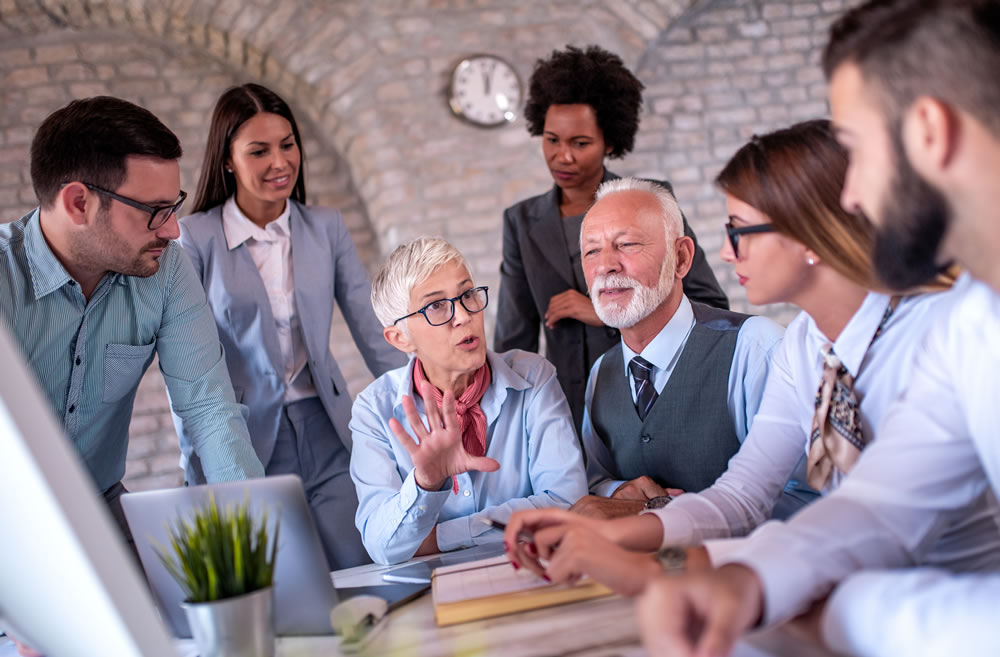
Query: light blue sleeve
(394, 514)
(756, 346)
(198, 385)
(600, 465)
(555, 465)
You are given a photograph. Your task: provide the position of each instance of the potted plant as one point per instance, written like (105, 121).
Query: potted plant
(224, 561)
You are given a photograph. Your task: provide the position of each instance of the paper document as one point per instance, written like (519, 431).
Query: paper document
(483, 579)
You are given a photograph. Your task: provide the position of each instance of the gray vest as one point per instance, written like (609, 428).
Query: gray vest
(688, 437)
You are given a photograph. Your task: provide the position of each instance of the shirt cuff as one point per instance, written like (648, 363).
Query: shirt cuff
(720, 550)
(781, 574)
(418, 503)
(454, 534)
(606, 487)
(678, 527)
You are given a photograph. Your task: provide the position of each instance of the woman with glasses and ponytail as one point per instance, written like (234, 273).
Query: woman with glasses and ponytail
(460, 436)
(272, 268)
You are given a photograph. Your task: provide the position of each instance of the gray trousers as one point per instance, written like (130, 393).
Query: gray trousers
(308, 446)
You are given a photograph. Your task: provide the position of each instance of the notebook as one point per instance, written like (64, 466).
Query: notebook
(491, 587)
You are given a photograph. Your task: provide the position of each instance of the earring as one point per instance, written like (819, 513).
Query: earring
(228, 170)
(810, 261)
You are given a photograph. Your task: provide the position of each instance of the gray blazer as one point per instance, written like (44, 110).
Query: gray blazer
(326, 268)
(536, 266)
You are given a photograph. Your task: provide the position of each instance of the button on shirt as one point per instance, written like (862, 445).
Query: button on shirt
(529, 432)
(742, 497)
(90, 355)
(936, 452)
(271, 250)
(757, 339)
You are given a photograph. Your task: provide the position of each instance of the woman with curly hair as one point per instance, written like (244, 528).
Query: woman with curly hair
(585, 106)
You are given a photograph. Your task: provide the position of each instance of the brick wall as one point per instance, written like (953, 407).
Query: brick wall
(368, 81)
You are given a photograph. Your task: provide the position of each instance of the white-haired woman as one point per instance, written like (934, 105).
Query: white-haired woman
(499, 436)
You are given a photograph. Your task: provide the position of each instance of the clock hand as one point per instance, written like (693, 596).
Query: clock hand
(486, 83)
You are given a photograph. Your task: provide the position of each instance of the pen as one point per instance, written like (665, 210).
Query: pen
(523, 536)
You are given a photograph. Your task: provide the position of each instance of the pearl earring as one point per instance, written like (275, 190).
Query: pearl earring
(811, 261)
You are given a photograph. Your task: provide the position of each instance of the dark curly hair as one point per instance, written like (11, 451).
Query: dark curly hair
(592, 77)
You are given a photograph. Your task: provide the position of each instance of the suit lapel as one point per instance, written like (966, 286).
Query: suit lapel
(312, 267)
(245, 275)
(547, 234)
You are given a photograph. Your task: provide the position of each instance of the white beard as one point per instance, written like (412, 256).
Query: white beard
(644, 299)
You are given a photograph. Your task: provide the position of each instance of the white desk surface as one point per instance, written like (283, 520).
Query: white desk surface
(594, 628)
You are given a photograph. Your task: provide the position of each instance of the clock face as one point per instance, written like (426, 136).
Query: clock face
(485, 90)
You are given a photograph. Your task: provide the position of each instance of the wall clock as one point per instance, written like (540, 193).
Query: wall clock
(485, 91)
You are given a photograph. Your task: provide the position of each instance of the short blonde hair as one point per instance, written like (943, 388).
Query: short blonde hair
(672, 218)
(407, 267)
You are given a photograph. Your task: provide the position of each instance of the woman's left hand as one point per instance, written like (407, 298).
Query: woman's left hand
(573, 305)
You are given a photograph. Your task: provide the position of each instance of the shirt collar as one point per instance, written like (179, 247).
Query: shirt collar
(853, 342)
(502, 379)
(47, 273)
(238, 228)
(662, 352)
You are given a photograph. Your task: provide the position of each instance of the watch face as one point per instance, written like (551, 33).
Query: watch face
(485, 90)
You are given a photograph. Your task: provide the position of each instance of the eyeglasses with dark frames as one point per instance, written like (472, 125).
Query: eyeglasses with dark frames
(440, 312)
(734, 233)
(158, 214)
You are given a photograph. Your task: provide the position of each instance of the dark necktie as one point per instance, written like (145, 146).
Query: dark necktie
(645, 393)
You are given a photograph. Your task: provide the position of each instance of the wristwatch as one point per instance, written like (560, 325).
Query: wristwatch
(673, 559)
(658, 502)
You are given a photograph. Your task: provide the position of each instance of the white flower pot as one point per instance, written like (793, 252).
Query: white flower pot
(235, 627)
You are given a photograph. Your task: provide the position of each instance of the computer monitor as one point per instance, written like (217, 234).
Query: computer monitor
(68, 586)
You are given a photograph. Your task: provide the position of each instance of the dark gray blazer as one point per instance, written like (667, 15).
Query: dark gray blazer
(536, 267)
(327, 268)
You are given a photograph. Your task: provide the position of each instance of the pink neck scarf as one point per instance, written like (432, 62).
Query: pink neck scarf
(471, 419)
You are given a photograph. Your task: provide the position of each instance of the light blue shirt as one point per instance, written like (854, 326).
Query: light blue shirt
(755, 345)
(529, 432)
(90, 355)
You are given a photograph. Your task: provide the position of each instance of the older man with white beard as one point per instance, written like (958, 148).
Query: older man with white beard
(667, 408)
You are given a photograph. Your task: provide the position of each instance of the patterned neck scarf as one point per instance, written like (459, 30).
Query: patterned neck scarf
(836, 439)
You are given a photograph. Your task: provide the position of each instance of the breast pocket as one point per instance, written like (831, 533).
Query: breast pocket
(123, 367)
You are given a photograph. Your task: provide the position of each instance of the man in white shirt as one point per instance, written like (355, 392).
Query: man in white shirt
(915, 96)
(670, 405)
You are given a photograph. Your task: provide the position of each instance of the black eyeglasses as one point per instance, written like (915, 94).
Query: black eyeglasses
(158, 214)
(734, 233)
(441, 311)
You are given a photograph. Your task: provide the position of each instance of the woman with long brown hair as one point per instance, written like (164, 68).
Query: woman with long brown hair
(842, 362)
(272, 268)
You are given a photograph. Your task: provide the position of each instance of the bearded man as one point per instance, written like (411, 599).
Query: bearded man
(667, 408)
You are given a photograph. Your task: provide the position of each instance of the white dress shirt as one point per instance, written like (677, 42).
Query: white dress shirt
(922, 484)
(921, 612)
(271, 250)
(743, 496)
(757, 340)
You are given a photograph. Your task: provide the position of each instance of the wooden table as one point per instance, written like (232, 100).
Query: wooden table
(603, 627)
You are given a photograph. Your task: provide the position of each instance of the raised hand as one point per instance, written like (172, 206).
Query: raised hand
(439, 454)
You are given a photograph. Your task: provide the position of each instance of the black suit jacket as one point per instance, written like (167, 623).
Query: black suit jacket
(536, 267)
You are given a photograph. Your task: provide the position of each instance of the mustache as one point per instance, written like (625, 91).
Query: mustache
(156, 244)
(613, 280)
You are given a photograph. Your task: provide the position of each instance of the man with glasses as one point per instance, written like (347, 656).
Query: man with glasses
(668, 407)
(93, 287)
(460, 434)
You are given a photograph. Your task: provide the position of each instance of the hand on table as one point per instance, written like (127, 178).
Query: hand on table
(440, 453)
(574, 549)
(573, 305)
(699, 614)
(605, 508)
(429, 545)
(643, 488)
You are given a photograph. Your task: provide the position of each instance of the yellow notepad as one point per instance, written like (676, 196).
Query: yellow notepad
(491, 587)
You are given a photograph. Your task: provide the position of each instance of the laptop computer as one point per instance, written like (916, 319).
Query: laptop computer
(303, 591)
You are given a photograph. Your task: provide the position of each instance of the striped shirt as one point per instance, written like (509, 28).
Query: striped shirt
(90, 355)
